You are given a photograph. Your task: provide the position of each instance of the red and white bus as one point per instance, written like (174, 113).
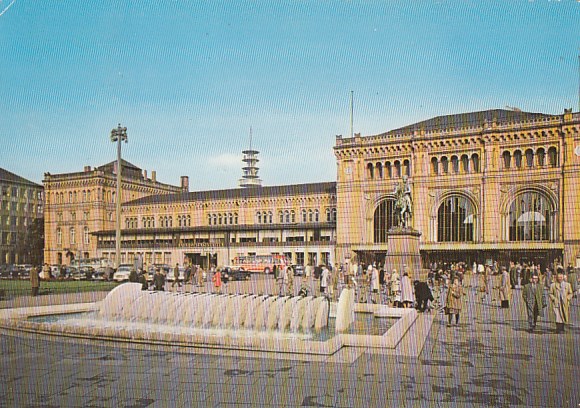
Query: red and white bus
(260, 263)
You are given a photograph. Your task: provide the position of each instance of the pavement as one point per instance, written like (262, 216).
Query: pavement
(489, 360)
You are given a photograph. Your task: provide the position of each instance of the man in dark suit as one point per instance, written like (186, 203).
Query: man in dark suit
(533, 294)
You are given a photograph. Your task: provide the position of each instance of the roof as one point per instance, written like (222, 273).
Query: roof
(239, 193)
(7, 176)
(472, 119)
(124, 164)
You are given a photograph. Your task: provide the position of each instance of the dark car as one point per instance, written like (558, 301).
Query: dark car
(298, 270)
(235, 274)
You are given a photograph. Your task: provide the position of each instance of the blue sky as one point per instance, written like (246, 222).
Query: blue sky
(189, 78)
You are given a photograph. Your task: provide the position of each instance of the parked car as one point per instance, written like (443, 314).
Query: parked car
(122, 273)
(104, 273)
(235, 274)
(298, 270)
(84, 273)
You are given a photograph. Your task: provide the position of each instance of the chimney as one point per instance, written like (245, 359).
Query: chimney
(153, 175)
(185, 183)
(145, 174)
(87, 169)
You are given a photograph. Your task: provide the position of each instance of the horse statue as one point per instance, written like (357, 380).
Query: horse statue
(403, 203)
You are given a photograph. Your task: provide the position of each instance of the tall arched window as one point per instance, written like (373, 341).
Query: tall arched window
(370, 171)
(475, 162)
(327, 214)
(384, 219)
(58, 236)
(434, 166)
(529, 217)
(407, 168)
(86, 235)
(455, 220)
(552, 157)
(287, 216)
(73, 238)
(507, 159)
(259, 217)
(518, 159)
(316, 216)
(397, 168)
(464, 164)
(280, 217)
(529, 158)
(304, 215)
(293, 216)
(541, 156)
(455, 164)
(379, 168)
(444, 165)
(389, 169)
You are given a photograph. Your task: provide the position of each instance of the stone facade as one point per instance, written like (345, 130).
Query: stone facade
(213, 227)
(78, 204)
(486, 185)
(21, 202)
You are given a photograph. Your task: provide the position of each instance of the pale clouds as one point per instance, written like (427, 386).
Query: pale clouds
(226, 160)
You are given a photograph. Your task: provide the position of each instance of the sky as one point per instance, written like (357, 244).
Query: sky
(190, 78)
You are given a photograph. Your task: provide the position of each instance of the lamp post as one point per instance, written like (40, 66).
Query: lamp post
(118, 135)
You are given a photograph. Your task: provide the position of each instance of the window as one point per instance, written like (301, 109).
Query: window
(445, 165)
(86, 235)
(464, 164)
(316, 213)
(389, 169)
(304, 219)
(370, 171)
(292, 216)
(58, 236)
(287, 216)
(541, 155)
(529, 157)
(327, 214)
(384, 219)
(434, 166)
(72, 236)
(552, 157)
(475, 162)
(281, 217)
(310, 216)
(529, 218)
(455, 164)
(455, 220)
(259, 217)
(518, 159)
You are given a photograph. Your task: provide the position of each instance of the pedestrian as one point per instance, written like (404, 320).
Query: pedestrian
(453, 302)
(217, 281)
(396, 288)
(423, 295)
(324, 280)
(374, 284)
(282, 279)
(407, 296)
(290, 279)
(34, 281)
(573, 280)
(505, 289)
(159, 280)
(560, 296)
(176, 276)
(535, 300)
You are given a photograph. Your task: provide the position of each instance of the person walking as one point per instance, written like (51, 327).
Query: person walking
(282, 280)
(407, 296)
(217, 281)
(176, 276)
(324, 280)
(535, 300)
(453, 302)
(505, 289)
(396, 288)
(159, 280)
(34, 281)
(374, 284)
(560, 296)
(290, 279)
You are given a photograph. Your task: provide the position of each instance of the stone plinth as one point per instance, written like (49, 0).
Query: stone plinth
(403, 249)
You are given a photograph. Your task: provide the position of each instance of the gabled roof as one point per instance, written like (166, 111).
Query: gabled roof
(472, 119)
(9, 177)
(238, 193)
(110, 166)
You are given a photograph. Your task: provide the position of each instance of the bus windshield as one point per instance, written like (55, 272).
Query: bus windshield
(260, 263)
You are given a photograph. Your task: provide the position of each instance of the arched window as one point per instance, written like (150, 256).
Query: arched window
(161, 223)
(334, 214)
(455, 220)
(144, 222)
(293, 216)
(73, 238)
(464, 164)
(475, 162)
(389, 169)
(507, 159)
(541, 155)
(518, 159)
(70, 197)
(126, 223)
(310, 216)
(455, 164)
(397, 168)
(230, 216)
(86, 235)
(280, 217)
(209, 219)
(434, 166)
(370, 171)
(74, 197)
(304, 219)
(59, 236)
(552, 157)
(189, 220)
(287, 216)
(529, 157)
(379, 168)
(236, 218)
(316, 216)
(84, 196)
(529, 217)
(327, 214)
(407, 168)
(444, 165)
(384, 219)
(179, 220)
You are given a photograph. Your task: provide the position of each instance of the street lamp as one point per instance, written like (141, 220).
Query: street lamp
(118, 135)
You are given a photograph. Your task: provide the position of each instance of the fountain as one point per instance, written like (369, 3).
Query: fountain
(248, 322)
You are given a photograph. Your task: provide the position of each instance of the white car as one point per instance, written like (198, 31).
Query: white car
(122, 274)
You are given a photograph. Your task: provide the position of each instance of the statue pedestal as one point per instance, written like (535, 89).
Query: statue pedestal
(403, 249)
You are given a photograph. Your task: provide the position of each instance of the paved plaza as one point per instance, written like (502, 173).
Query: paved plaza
(489, 360)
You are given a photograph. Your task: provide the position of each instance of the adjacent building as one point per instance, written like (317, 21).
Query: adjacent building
(80, 203)
(21, 204)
